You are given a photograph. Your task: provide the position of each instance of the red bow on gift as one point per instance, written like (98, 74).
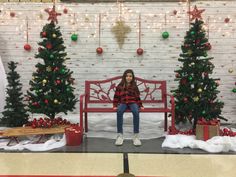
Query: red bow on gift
(203, 121)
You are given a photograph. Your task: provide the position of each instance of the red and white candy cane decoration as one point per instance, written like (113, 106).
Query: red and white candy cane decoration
(139, 50)
(99, 50)
(27, 47)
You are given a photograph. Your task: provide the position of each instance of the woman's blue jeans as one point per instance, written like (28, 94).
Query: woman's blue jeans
(134, 108)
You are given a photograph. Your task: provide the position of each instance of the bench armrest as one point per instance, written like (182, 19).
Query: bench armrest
(172, 99)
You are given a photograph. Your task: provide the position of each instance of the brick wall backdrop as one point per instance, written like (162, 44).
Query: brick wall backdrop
(159, 59)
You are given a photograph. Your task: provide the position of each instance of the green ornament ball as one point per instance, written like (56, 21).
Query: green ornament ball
(74, 37)
(68, 89)
(176, 107)
(51, 56)
(190, 78)
(203, 112)
(63, 71)
(192, 32)
(234, 90)
(165, 35)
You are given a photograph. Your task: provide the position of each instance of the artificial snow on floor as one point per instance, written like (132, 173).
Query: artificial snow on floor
(151, 126)
(213, 145)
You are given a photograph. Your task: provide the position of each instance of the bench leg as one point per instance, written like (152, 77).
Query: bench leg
(165, 122)
(86, 121)
(11, 139)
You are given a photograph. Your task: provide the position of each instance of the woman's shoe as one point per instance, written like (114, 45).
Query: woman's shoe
(119, 139)
(136, 140)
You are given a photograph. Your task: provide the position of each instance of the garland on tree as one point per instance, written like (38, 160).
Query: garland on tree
(196, 95)
(14, 114)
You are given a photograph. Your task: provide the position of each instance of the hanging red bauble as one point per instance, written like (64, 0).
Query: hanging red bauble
(49, 46)
(227, 20)
(208, 46)
(99, 50)
(27, 47)
(44, 34)
(139, 51)
(12, 14)
(197, 41)
(65, 10)
(177, 75)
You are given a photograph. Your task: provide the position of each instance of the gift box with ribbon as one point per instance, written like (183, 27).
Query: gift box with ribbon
(207, 129)
(74, 135)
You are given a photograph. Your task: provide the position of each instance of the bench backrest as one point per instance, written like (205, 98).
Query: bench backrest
(151, 91)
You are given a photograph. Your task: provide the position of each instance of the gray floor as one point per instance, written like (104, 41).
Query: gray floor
(148, 146)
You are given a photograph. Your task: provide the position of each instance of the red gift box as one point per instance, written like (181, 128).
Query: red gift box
(207, 129)
(74, 135)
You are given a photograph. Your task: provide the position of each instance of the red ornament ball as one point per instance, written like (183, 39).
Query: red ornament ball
(12, 14)
(99, 50)
(227, 20)
(139, 51)
(58, 81)
(65, 10)
(208, 46)
(46, 101)
(49, 46)
(27, 47)
(44, 34)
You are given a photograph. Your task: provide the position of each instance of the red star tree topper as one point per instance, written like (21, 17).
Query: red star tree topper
(52, 14)
(195, 13)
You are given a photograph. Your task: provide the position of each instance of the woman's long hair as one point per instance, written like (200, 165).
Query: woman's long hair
(133, 83)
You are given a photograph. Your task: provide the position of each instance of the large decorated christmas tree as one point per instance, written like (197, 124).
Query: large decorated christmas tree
(196, 95)
(51, 89)
(14, 114)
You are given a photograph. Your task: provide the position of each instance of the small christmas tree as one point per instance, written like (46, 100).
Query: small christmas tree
(14, 114)
(196, 95)
(51, 90)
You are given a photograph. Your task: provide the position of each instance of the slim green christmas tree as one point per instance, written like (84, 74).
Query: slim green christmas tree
(51, 90)
(196, 95)
(14, 114)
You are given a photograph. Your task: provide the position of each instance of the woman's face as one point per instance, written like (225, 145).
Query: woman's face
(129, 78)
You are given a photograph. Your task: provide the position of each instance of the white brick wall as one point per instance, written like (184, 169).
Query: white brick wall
(160, 57)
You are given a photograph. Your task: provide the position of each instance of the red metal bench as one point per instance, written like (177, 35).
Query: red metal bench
(98, 98)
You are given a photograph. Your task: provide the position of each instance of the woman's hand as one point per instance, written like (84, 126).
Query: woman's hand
(115, 108)
(142, 108)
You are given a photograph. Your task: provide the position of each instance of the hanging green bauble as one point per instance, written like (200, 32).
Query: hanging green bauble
(234, 90)
(68, 89)
(192, 32)
(165, 35)
(176, 107)
(203, 112)
(52, 56)
(74, 37)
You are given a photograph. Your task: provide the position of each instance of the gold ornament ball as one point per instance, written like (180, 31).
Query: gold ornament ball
(230, 70)
(54, 35)
(49, 69)
(190, 52)
(44, 81)
(55, 101)
(199, 90)
(196, 98)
